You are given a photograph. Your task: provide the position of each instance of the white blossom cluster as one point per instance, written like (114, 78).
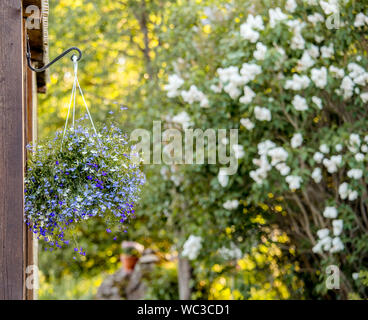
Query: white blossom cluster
(192, 247)
(233, 81)
(181, 118)
(195, 95)
(232, 253)
(316, 68)
(326, 242)
(267, 150)
(231, 204)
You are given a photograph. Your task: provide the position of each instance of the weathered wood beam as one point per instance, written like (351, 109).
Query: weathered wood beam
(11, 151)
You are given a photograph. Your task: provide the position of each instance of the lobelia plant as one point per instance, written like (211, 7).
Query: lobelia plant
(77, 177)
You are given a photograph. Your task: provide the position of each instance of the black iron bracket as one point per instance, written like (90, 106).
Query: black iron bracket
(28, 54)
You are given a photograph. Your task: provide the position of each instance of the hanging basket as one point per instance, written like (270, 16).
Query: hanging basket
(80, 175)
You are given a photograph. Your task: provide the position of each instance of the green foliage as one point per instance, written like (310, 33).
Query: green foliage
(135, 46)
(162, 283)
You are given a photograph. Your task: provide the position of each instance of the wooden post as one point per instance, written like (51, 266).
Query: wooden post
(184, 276)
(12, 239)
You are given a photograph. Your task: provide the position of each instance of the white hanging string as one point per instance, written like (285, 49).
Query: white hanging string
(72, 100)
(75, 79)
(70, 104)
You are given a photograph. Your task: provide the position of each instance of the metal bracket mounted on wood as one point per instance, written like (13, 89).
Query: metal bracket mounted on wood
(28, 54)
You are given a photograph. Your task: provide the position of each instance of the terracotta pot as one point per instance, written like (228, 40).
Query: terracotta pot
(128, 262)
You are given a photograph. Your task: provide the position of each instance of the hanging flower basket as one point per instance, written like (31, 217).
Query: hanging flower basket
(80, 175)
(91, 176)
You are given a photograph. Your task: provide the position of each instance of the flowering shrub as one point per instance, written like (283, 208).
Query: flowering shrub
(78, 177)
(298, 92)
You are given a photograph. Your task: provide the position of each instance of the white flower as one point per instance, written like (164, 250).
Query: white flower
(326, 243)
(329, 6)
(294, 182)
(255, 22)
(175, 82)
(327, 52)
(324, 148)
(353, 195)
(319, 77)
(245, 122)
(232, 90)
(317, 101)
(222, 177)
(364, 97)
(364, 148)
(260, 52)
(182, 118)
(248, 95)
(192, 247)
(297, 41)
(337, 227)
(249, 71)
(229, 74)
(323, 233)
(338, 147)
(313, 51)
(297, 82)
(330, 212)
(318, 157)
(265, 146)
(238, 151)
(262, 114)
(216, 88)
(347, 86)
(291, 5)
(344, 190)
(355, 173)
(261, 173)
(299, 103)
(231, 204)
(276, 15)
(359, 157)
(360, 20)
(248, 33)
(355, 275)
(337, 245)
(358, 74)
(277, 155)
(318, 38)
(354, 142)
(283, 168)
(232, 253)
(317, 175)
(332, 164)
(194, 95)
(315, 18)
(258, 175)
(336, 72)
(305, 62)
(317, 248)
(296, 140)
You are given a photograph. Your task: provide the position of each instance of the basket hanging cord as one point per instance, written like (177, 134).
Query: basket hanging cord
(72, 101)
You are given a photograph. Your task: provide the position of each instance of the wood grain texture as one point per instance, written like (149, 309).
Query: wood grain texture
(11, 151)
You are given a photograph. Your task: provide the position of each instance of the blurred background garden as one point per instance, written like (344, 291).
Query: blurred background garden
(257, 234)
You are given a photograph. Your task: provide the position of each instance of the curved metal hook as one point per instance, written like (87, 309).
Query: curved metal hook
(28, 54)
